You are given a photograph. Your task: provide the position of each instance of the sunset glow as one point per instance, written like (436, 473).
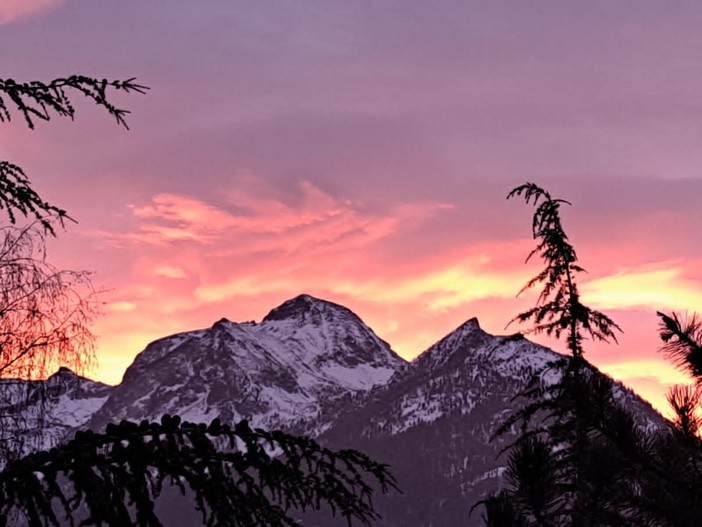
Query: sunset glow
(344, 151)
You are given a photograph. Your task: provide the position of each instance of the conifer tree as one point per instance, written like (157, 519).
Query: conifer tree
(682, 342)
(583, 461)
(548, 467)
(41, 101)
(558, 308)
(236, 477)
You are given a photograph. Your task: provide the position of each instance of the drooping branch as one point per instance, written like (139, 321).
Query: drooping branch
(558, 308)
(40, 101)
(17, 196)
(237, 476)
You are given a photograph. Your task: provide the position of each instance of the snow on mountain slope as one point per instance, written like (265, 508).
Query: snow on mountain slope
(314, 367)
(40, 414)
(435, 422)
(301, 360)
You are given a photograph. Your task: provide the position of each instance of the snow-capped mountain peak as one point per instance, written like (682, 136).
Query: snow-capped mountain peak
(314, 367)
(306, 308)
(462, 343)
(302, 358)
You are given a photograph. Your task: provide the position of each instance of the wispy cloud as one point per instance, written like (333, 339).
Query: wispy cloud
(14, 10)
(314, 221)
(661, 286)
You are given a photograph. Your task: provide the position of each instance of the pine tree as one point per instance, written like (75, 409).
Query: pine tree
(558, 307)
(550, 467)
(581, 459)
(237, 476)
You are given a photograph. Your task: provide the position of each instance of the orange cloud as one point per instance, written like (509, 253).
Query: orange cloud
(660, 286)
(14, 10)
(170, 271)
(194, 261)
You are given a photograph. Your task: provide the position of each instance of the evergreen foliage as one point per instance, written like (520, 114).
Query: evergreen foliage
(40, 101)
(550, 469)
(239, 477)
(558, 307)
(682, 342)
(581, 460)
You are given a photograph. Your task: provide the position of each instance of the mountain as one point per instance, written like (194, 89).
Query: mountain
(49, 409)
(314, 367)
(287, 371)
(434, 424)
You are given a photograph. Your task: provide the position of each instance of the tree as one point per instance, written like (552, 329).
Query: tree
(255, 481)
(549, 469)
(45, 313)
(585, 461)
(235, 476)
(682, 342)
(558, 307)
(40, 101)
(681, 338)
(45, 316)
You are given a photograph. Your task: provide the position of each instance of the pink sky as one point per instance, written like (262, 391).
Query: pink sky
(361, 152)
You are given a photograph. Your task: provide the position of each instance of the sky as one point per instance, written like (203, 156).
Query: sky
(361, 151)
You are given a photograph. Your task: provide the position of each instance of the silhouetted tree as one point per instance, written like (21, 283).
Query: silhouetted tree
(45, 317)
(583, 461)
(40, 101)
(45, 313)
(682, 342)
(550, 473)
(558, 307)
(237, 477)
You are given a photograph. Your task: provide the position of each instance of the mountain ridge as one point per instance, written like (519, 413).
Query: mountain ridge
(281, 372)
(314, 367)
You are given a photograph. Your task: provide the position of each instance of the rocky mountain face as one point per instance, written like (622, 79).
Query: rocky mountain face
(314, 367)
(46, 411)
(434, 424)
(288, 371)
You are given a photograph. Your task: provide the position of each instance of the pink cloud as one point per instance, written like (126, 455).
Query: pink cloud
(14, 10)
(316, 221)
(196, 260)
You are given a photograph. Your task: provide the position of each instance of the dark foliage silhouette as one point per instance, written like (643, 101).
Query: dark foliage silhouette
(682, 342)
(40, 101)
(558, 307)
(566, 467)
(237, 476)
(581, 459)
(45, 313)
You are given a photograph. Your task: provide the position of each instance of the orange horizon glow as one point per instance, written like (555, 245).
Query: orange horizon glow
(327, 248)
